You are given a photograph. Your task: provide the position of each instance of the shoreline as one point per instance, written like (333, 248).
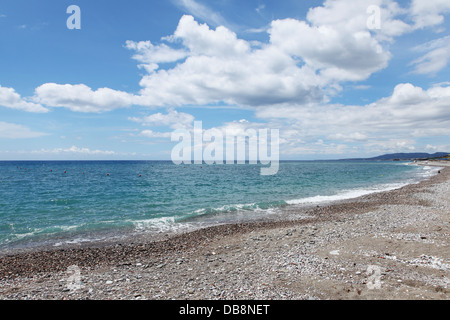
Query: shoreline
(104, 238)
(183, 257)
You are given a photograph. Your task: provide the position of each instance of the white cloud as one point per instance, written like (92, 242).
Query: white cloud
(338, 55)
(409, 112)
(352, 16)
(436, 58)
(260, 8)
(427, 13)
(201, 40)
(203, 12)
(303, 62)
(392, 146)
(173, 119)
(335, 38)
(355, 136)
(437, 148)
(221, 67)
(10, 99)
(73, 150)
(257, 30)
(153, 134)
(81, 98)
(150, 55)
(16, 131)
(391, 124)
(362, 87)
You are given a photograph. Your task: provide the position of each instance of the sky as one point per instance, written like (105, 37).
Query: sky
(337, 78)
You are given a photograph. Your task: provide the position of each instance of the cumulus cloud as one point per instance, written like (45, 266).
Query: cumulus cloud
(219, 67)
(184, 121)
(288, 80)
(338, 55)
(409, 112)
(390, 124)
(81, 98)
(353, 16)
(428, 13)
(304, 62)
(150, 55)
(201, 40)
(335, 38)
(17, 131)
(9, 98)
(222, 68)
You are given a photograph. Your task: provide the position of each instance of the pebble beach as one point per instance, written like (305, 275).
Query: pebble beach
(387, 245)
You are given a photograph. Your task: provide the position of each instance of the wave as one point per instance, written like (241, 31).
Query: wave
(213, 215)
(270, 207)
(17, 236)
(347, 194)
(262, 206)
(160, 224)
(421, 174)
(428, 171)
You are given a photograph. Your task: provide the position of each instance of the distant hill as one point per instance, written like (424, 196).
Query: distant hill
(406, 156)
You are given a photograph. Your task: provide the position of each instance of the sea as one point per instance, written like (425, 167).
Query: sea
(56, 203)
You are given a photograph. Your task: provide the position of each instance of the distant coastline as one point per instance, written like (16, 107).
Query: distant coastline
(406, 157)
(415, 156)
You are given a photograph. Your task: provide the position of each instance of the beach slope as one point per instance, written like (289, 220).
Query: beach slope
(389, 245)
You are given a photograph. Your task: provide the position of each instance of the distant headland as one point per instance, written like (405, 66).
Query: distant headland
(409, 156)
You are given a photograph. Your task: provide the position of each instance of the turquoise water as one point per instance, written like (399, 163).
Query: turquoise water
(58, 202)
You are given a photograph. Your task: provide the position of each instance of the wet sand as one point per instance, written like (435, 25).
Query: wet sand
(388, 245)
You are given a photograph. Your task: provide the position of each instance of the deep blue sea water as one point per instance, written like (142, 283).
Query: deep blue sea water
(74, 201)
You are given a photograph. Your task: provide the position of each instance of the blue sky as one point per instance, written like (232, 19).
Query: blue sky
(136, 71)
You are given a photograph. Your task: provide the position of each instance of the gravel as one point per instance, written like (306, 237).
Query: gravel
(389, 245)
